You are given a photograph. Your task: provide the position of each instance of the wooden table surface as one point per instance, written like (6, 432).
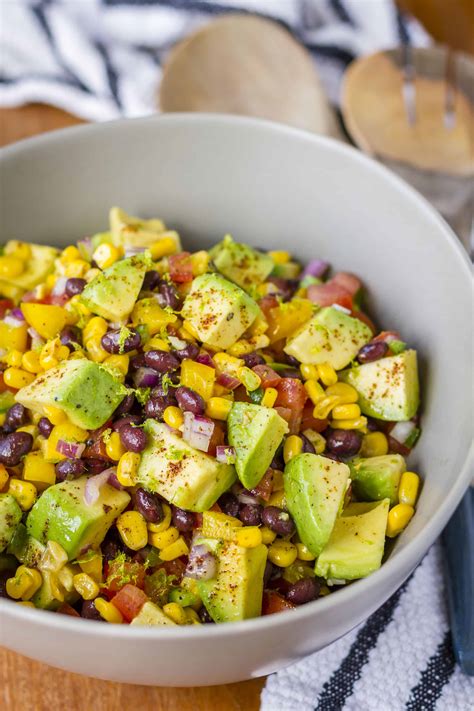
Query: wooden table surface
(25, 684)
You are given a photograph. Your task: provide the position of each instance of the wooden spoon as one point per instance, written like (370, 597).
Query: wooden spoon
(247, 65)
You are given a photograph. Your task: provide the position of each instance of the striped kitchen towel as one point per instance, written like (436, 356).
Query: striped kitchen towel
(401, 659)
(101, 59)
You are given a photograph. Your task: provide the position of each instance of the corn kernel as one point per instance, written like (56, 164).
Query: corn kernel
(24, 492)
(91, 564)
(3, 476)
(308, 371)
(408, 488)
(132, 528)
(218, 408)
(346, 412)
(69, 253)
(282, 553)
(30, 429)
(227, 363)
(105, 255)
(269, 397)
(91, 274)
(174, 550)
(292, 447)
(358, 423)
(279, 256)
(11, 267)
(127, 468)
(314, 390)
(17, 378)
(26, 603)
(76, 268)
(175, 612)
(344, 392)
(162, 525)
(248, 536)
(95, 328)
(192, 617)
(53, 559)
(25, 583)
(249, 379)
(241, 348)
(55, 415)
(173, 417)
(31, 363)
(277, 499)
(316, 439)
(108, 611)
(200, 262)
(303, 552)
(324, 406)
(162, 248)
(95, 350)
(53, 353)
(327, 374)
(13, 358)
(85, 586)
(165, 538)
(20, 250)
(118, 362)
(374, 444)
(398, 518)
(268, 536)
(38, 471)
(114, 447)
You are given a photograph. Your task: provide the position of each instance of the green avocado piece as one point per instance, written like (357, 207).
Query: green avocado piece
(113, 292)
(388, 388)
(61, 514)
(37, 267)
(10, 517)
(151, 615)
(25, 548)
(236, 591)
(218, 310)
(123, 225)
(331, 336)
(182, 475)
(356, 545)
(7, 399)
(376, 478)
(314, 489)
(289, 270)
(86, 391)
(255, 432)
(240, 263)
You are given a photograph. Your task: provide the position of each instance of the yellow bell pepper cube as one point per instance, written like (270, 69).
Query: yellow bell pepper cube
(149, 313)
(37, 470)
(13, 337)
(283, 320)
(47, 319)
(198, 377)
(67, 432)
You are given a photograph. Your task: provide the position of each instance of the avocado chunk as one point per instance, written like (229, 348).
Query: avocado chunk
(255, 432)
(25, 548)
(240, 263)
(356, 545)
(124, 226)
(182, 475)
(331, 336)
(219, 310)
(236, 591)
(377, 478)
(10, 517)
(87, 392)
(314, 489)
(37, 268)
(151, 615)
(113, 292)
(388, 388)
(61, 514)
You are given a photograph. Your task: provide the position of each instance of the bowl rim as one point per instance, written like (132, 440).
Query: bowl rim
(406, 559)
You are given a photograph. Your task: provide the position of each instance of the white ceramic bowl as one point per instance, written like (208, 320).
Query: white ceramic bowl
(281, 189)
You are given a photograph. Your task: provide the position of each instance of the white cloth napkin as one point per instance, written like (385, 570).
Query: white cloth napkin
(101, 59)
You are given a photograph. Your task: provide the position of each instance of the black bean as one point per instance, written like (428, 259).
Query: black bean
(253, 359)
(290, 373)
(268, 572)
(166, 393)
(190, 401)
(90, 612)
(95, 466)
(126, 405)
(14, 446)
(372, 351)
(110, 548)
(373, 425)
(137, 361)
(75, 286)
(183, 520)
(71, 336)
(344, 443)
(68, 469)
(155, 407)
(162, 361)
(151, 281)
(132, 438)
(303, 591)
(291, 360)
(205, 617)
(15, 417)
(127, 420)
(229, 504)
(307, 445)
(149, 505)
(168, 296)
(112, 341)
(286, 287)
(45, 427)
(190, 351)
(278, 462)
(251, 514)
(278, 520)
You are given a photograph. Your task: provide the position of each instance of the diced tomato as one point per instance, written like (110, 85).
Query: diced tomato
(264, 487)
(310, 422)
(292, 394)
(267, 375)
(348, 281)
(120, 572)
(129, 601)
(365, 319)
(217, 438)
(330, 293)
(387, 336)
(198, 520)
(267, 303)
(57, 299)
(274, 602)
(175, 567)
(240, 394)
(5, 305)
(180, 267)
(66, 609)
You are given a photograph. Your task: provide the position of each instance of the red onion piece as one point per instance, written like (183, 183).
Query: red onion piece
(85, 246)
(205, 359)
(146, 378)
(225, 454)
(227, 381)
(71, 450)
(402, 431)
(133, 251)
(197, 431)
(315, 268)
(202, 565)
(59, 287)
(177, 343)
(94, 485)
(18, 314)
(245, 498)
(36, 340)
(113, 481)
(12, 321)
(341, 308)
